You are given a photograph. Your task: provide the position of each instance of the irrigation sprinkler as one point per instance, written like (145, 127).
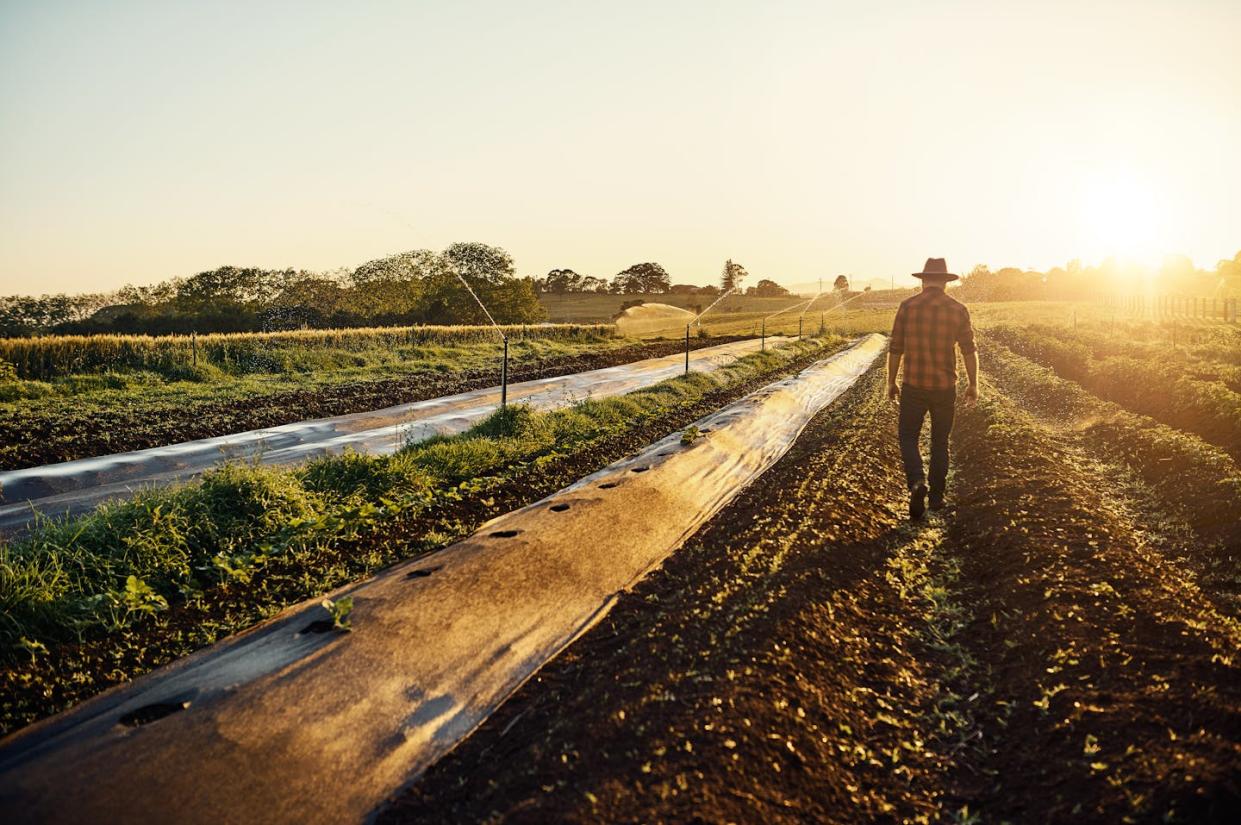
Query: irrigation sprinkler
(764, 334)
(687, 349)
(697, 320)
(799, 325)
(503, 337)
(504, 378)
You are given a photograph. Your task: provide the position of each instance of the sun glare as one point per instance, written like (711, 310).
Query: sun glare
(1121, 217)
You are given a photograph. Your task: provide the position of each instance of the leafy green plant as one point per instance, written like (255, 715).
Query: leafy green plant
(339, 611)
(140, 597)
(689, 435)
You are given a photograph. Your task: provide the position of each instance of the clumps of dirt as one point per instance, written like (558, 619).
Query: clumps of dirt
(1115, 689)
(652, 319)
(775, 670)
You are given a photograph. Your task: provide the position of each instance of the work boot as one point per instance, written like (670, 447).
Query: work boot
(917, 501)
(937, 499)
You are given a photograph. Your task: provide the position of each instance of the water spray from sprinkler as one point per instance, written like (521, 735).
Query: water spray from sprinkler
(697, 321)
(503, 337)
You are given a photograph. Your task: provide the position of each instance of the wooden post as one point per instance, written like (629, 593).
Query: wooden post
(194, 346)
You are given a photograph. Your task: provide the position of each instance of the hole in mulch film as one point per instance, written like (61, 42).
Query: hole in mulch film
(318, 626)
(152, 713)
(504, 534)
(558, 508)
(607, 486)
(639, 469)
(421, 574)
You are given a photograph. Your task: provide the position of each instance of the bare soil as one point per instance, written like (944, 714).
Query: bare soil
(1025, 655)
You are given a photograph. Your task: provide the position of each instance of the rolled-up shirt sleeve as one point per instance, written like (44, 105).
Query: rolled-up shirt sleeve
(965, 334)
(897, 343)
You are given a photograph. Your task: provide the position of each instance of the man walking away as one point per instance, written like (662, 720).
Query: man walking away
(928, 328)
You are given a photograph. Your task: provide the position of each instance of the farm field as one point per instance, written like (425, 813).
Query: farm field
(120, 407)
(1057, 646)
(809, 654)
(108, 596)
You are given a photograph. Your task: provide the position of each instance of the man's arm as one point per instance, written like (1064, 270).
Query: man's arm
(969, 353)
(896, 348)
(894, 366)
(971, 371)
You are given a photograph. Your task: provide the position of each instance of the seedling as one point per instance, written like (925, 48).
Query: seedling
(690, 435)
(339, 610)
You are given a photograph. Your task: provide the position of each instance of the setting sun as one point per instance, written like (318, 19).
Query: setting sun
(1123, 217)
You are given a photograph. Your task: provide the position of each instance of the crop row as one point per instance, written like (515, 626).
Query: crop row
(52, 356)
(1191, 396)
(1193, 478)
(1211, 359)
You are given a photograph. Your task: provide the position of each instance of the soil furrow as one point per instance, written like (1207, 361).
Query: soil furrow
(1113, 692)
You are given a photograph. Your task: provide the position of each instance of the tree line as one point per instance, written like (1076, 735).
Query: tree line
(652, 279)
(416, 287)
(426, 287)
(1176, 275)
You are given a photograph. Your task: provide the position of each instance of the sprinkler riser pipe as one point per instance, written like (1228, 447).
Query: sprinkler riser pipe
(504, 378)
(687, 349)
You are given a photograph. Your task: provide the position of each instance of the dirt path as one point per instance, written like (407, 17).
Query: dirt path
(811, 657)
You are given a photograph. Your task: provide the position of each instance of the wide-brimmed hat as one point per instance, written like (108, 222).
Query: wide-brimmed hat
(936, 268)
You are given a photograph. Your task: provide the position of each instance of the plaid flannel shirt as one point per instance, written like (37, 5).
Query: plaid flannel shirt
(927, 329)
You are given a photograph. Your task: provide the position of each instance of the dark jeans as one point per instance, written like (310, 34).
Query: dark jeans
(915, 404)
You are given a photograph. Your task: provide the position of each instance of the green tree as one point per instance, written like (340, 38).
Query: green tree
(560, 281)
(641, 278)
(732, 275)
(767, 289)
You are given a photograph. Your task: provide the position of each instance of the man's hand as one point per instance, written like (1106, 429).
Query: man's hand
(894, 392)
(971, 394)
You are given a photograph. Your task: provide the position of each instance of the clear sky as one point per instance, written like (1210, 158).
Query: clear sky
(142, 140)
